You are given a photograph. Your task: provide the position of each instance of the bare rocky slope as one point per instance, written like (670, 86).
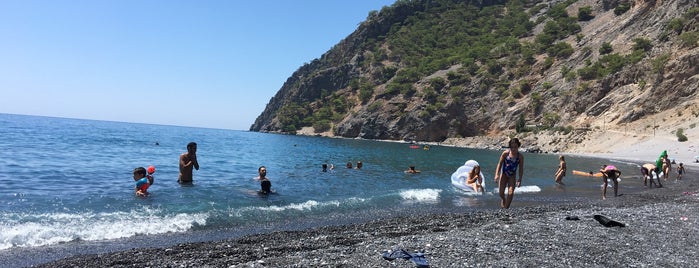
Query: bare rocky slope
(551, 102)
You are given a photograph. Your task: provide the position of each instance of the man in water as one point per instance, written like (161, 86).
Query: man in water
(265, 184)
(188, 161)
(412, 170)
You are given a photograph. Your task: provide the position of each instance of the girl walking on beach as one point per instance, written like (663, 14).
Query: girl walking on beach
(506, 172)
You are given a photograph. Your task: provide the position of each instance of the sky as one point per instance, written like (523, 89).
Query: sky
(212, 64)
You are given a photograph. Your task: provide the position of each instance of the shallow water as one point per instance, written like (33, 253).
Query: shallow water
(68, 183)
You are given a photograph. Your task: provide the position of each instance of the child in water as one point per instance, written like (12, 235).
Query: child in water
(475, 180)
(142, 180)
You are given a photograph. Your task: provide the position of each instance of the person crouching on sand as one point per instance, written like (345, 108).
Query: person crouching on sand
(610, 172)
(506, 172)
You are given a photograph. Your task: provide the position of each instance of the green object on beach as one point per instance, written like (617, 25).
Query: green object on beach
(659, 162)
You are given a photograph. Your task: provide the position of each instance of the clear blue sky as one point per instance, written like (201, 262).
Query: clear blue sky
(211, 64)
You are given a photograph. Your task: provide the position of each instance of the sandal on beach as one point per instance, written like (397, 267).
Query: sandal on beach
(417, 258)
(607, 222)
(396, 254)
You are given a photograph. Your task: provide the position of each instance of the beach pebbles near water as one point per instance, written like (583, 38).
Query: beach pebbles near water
(661, 229)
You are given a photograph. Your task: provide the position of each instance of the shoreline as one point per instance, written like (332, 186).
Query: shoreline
(521, 236)
(632, 142)
(661, 230)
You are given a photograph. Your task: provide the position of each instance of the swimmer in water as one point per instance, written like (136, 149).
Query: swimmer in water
(142, 182)
(412, 170)
(265, 184)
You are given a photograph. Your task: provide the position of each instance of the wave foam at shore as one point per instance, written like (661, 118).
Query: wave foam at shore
(22, 230)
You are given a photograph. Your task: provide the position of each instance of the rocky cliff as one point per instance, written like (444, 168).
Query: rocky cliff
(432, 70)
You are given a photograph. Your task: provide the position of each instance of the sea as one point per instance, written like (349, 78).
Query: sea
(66, 185)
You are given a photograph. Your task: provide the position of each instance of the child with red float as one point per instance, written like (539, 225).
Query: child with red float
(143, 180)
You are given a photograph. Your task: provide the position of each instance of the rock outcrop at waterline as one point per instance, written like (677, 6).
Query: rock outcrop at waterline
(624, 63)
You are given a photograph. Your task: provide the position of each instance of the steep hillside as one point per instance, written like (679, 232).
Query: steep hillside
(437, 69)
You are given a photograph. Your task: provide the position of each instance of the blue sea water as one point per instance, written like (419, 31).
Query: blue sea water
(66, 185)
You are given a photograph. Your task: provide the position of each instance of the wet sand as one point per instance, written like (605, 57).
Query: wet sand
(662, 230)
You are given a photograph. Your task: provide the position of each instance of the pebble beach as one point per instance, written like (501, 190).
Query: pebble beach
(661, 230)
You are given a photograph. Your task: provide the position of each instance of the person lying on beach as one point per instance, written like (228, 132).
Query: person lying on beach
(647, 171)
(612, 173)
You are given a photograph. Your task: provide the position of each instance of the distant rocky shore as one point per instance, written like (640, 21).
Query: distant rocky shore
(661, 230)
(544, 142)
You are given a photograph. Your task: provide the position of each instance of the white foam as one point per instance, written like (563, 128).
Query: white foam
(528, 189)
(308, 205)
(522, 189)
(472, 193)
(624, 162)
(421, 195)
(19, 230)
(305, 206)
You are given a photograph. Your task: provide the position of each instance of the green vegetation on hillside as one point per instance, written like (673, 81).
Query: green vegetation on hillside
(446, 53)
(435, 35)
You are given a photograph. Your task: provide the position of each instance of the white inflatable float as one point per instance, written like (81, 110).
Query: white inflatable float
(459, 177)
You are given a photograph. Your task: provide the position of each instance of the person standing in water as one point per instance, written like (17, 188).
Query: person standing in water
(561, 172)
(265, 184)
(142, 182)
(188, 161)
(506, 172)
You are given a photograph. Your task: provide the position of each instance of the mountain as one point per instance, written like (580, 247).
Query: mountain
(433, 70)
